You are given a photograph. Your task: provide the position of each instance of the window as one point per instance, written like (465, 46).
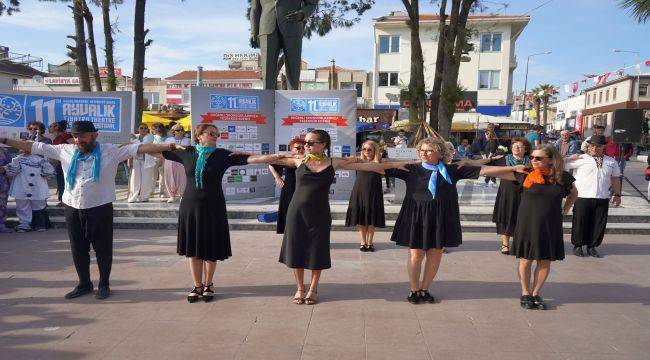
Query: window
(614, 94)
(388, 79)
(388, 44)
(152, 97)
(186, 96)
(643, 89)
(600, 97)
(353, 86)
(588, 98)
(490, 42)
(607, 95)
(489, 79)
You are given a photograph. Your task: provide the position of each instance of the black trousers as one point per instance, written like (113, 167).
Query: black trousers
(60, 181)
(589, 221)
(86, 227)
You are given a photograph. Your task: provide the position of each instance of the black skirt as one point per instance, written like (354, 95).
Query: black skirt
(506, 207)
(366, 206)
(285, 196)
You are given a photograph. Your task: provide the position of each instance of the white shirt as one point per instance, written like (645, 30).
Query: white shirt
(87, 193)
(584, 147)
(593, 182)
(149, 161)
(401, 142)
(182, 142)
(29, 174)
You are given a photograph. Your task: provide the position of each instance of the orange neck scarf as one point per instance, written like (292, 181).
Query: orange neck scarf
(536, 177)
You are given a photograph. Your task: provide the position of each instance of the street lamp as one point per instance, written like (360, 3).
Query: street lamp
(523, 107)
(638, 73)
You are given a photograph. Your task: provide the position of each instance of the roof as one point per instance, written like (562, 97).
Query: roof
(9, 67)
(218, 75)
(400, 17)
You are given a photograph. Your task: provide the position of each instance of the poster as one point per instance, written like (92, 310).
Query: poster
(299, 112)
(111, 112)
(245, 121)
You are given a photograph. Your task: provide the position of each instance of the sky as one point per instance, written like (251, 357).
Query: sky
(580, 33)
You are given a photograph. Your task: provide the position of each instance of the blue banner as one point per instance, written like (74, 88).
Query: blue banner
(234, 102)
(315, 105)
(17, 110)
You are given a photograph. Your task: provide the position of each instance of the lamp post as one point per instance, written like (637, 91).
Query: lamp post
(638, 73)
(523, 106)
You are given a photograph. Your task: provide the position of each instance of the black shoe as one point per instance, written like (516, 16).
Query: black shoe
(527, 302)
(195, 294)
(426, 297)
(539, 302)
(102, 292)
(79, 291)
(208, 294)
(370, 248)
(363, 248)
(593, 253)
(414, 297)
(577, 251)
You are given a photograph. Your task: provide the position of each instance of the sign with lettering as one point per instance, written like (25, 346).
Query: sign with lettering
(72, 80)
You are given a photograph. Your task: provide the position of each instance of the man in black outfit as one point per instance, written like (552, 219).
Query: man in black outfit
(89, 169)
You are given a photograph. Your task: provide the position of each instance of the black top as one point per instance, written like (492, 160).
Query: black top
(202, 217)
(538, 233)
(425, 222)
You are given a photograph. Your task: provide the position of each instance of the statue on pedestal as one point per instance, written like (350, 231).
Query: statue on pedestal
(279, 25)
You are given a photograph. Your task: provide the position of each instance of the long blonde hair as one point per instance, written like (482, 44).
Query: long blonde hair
(558, 162)
(376, 147)
(438, 146)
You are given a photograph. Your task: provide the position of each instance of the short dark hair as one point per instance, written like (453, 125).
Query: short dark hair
(200, 128)
(40, 125)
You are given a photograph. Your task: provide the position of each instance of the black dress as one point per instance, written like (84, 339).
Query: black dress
(306, 242)
(506, 204)
(538, 233)
(202, 219)
(427, 223)
(366, 206)
(285, 195)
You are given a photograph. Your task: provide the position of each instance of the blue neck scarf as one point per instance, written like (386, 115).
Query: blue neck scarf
(72, 170)
(204, 152)
(439, 168)
(512, 161)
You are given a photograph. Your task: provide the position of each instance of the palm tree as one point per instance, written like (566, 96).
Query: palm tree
(546, 92)
(537, 102)
(640, 9)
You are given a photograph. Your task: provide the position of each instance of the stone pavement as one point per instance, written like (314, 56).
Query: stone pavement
(599, 307)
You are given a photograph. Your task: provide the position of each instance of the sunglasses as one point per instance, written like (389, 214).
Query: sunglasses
(299, 147)
(538, 158)
(367, 149)
(33, 129)
(311, 143)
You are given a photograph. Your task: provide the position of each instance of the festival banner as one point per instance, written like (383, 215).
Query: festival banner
(111, 112)
(245, 121)
(299, 112)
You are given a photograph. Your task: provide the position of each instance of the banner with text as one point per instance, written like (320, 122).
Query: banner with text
(111, 112)
(244, 119)
(299, 112)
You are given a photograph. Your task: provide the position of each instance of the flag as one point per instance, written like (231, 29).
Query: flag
(603, 78)
(574, 87)
(619, 72)
(589, 76)
(647, 63)
(567, 88)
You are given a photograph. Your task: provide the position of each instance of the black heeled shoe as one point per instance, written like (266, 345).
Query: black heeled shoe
(363, 248)
(370, 248)
(539, 302)
(195, 294)
(414, 297)
(208, 294)
(426, 297)
(527, 302)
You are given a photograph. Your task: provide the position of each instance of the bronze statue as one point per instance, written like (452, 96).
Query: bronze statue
(279, 25)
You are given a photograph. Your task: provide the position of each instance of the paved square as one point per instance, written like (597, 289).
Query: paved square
(599, 307)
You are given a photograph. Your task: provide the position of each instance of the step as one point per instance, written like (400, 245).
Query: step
(337, 225)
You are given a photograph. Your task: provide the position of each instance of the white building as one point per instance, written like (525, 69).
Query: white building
(569, 113)
(488, 73)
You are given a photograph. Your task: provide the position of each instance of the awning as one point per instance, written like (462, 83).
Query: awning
(494, 110)
(150, 119)
(462, 126)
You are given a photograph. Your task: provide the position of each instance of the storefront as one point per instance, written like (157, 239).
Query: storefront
(372, 124)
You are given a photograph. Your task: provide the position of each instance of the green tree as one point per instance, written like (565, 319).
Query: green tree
(546, 94)
(640, 9)
(535, 96)
(9, 7)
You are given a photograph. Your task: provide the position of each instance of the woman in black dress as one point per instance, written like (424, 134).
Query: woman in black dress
(506, 204)
(306, 242)
(203, 234)
(538, 232)
(366, 206)
(288, 184)
(429, 219)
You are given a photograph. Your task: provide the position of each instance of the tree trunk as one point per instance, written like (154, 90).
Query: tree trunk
(111, 80)
(453, 53)
(538, 110)
(416, 80)
(440, 62)
(88, 17)
(79, 51)
(545, 115)
(139, 47)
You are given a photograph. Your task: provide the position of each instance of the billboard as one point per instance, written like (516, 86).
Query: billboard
(111, 112)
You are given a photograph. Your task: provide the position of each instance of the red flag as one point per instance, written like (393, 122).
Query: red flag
(647, 63)
(574, 87)
(603, 78)
(589, 76)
